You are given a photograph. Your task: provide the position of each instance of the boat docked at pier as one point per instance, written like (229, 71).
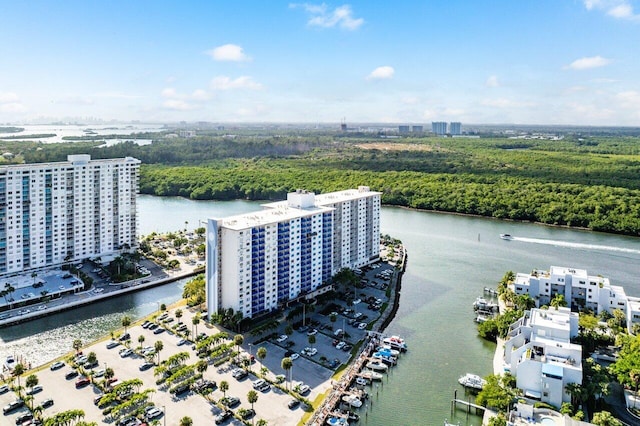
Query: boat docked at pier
(352, 401)
(370, 375)
(482, 304)
(395, 342)
(472, 381)
(377, 365)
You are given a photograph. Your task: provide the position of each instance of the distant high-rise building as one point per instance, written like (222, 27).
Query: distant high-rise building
(403, 129)
(439, 127)
(455, 128)
(417, 129)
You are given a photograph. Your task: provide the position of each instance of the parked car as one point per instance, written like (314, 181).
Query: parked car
(23, 418)
(34, 390)
(82, 382)
(14, 405)
(153, 413)
(71, 374)
(112, 344)
(282, 338)
(146, 366)
(258, 383)
(46, 403)
(4, 389)
(293, 403)
(158, 330)
(230, 401)
(223, 417)
(56, 365)
(239, 373)
(125, 352)
(312, 332)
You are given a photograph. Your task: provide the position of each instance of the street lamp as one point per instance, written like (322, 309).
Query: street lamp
(250, 350)
(164, 417)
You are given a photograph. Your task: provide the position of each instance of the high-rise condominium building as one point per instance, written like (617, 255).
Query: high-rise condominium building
(258, 261)
(455, 128)
(51, 213)
(439, 127)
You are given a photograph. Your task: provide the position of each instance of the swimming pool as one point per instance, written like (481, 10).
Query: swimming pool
(547, 421)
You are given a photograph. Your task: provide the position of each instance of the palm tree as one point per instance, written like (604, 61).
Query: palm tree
(558, 301)
(126, 322)
(92, 358)
(8, 288)
(109, 374)
(186, 421)
(224, 387)
(32, 380)
(252, 397)
(195, 321)
(286, 365)
(261, 354)
(262, 422)
(141, 340)
(178, 314)
(18, 371)
(238, 339)
(158, 347)
(201, 366)
(77, 344)
(634, 374)
(312, 340)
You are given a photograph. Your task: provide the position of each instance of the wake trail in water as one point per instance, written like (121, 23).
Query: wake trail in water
(575, 245)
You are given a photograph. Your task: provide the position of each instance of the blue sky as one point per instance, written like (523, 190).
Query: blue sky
(485, 61)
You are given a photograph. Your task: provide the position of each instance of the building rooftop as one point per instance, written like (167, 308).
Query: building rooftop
(269, 216)
(562, 270)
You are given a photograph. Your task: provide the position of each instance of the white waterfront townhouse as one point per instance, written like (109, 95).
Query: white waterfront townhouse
(539, 353)
(256, 262)
(51, 213)
(579, 289)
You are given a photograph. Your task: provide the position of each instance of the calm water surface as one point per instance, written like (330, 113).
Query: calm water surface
(451, 259)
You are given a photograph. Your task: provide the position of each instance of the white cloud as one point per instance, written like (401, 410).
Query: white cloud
(8, 97)
(629, 99)
(505, 103)
(10, 103)
(588, 63)
(619, 9)
(322, 16)
(170, 93)
(178, 105)
(228, 52)
(410, 100)
(492, 81)
(226, 83)
(76, 100)
(201, 95)
(381, 73)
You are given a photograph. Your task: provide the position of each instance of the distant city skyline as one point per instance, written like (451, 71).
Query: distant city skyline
(564, 62)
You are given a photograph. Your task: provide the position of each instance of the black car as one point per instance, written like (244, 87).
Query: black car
(230, 401)
(180, 389)
(158, 330)
(293, 403)
(47, 403)
(71, 374)
(223, 417)
(247, 414)
(23, 418)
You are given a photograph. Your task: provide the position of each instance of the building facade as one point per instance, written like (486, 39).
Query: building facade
(256, 262)
(538, 352)
(580, 291)
(439, 127)
(52, 213)
(455, 128)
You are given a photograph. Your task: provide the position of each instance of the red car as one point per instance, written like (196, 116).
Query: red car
(82, 382)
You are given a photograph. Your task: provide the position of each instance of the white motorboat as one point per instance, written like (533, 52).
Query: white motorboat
(352, 400)
(371, 375)
(482, 304)
(506, 236)
(395, 342)
(472, 381)
(377, 366)
(362, 381)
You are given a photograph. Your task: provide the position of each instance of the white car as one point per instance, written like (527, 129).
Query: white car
(125, 353)
(99, 373)
(282, 338)
(153, 413)
(257, 384)
(311, 351)
(303, 389)
(362, 326)
(294, 356)
(340, 345)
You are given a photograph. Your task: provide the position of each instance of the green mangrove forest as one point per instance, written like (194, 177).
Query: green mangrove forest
(589, 181)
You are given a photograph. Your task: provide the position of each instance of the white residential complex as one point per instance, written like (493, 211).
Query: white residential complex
(579, 290)
(51, 213)
(539, 353)
(258, 261)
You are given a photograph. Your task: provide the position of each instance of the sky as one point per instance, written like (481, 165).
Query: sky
(570, 62)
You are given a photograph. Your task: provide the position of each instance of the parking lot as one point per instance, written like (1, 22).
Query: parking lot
(272, 405)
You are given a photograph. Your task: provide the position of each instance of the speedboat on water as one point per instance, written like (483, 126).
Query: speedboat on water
(377, 366)
(472, 381)
(395, 342)
(506, 236)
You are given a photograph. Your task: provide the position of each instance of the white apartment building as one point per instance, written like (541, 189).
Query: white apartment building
(539, 353)
(51, 213)
(579, 289)
(258, 261)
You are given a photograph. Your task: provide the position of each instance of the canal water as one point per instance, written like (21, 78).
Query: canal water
(450, 260)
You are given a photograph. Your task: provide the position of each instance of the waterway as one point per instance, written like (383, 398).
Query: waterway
(451, 259)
